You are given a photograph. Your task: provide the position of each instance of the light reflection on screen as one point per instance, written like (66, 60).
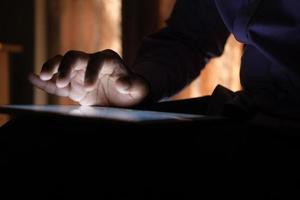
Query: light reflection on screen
(119, 114)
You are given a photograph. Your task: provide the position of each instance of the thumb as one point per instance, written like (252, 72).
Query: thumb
(123, 84)
(134, 85)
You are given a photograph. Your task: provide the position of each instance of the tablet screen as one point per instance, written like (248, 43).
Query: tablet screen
(119, 114)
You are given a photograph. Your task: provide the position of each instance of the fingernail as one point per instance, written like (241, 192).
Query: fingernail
(60, 83)
(45, 76)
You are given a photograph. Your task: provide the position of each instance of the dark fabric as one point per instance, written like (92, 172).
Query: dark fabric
(222, 102)
(173, 57)
(197, 31)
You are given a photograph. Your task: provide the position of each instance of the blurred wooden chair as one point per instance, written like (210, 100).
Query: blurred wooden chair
(5, 51)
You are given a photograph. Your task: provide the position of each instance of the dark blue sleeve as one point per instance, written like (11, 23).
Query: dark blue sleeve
(173, 57)
(270, 26)
(270, 65)
(275, 31)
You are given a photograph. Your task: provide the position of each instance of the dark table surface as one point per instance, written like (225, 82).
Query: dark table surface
(59, 157)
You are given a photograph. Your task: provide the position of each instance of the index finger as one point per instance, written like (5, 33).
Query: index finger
(50, 68)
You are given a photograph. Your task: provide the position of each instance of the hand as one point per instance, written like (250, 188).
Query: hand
(92, 79)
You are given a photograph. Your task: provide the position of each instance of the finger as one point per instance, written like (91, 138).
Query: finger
(94, 66)
(49, 86)
(72, 60)
(134, 85)
(62, 92)
(108, 58)
(123, 84)
(50, 68)
(44, 85)
(89, 99)
(36, 81)
(77, 91)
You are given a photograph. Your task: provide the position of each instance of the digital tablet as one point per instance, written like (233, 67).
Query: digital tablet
(105, 113)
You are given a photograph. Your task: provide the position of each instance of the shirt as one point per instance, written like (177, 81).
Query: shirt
(197, 31)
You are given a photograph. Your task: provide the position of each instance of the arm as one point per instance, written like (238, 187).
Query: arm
(272, 27)
(275, 31)
(173, 57)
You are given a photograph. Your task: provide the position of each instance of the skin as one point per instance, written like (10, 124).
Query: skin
(92, 79)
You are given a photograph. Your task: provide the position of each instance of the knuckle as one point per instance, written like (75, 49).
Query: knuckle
(72, 54)
(57, 57)
(51, 62)
(109, 51)
(110, 54)
(46, 66)
(111, 57)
